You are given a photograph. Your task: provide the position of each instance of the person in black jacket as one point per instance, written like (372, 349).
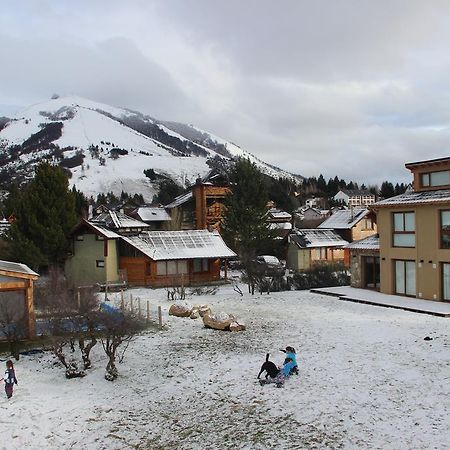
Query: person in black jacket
(9, 378)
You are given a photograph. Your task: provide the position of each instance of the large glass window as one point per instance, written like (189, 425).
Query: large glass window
(405, 277)
(404, 229)
(445, 229)
(446, 281)
(172, 267)
(441, 178)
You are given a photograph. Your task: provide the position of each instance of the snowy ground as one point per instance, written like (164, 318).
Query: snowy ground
(368, 379)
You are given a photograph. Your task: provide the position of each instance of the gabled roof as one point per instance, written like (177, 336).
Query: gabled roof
(153, 214)
(357, 192)
(416, 198)
(188, 244)
(17, 269)
(368, 243)
(180, 200)
(313, 237)
(117, 220)
(98, 229)
(344, 219)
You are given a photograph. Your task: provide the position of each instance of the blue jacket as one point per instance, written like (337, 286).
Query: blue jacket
(287, 368)
(293, 356)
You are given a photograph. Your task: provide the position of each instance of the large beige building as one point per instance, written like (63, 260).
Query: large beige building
(414, 234)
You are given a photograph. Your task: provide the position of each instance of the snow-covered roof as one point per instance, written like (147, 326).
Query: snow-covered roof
(357, 192)
(117, 220)
(414, 198)
(368, 243)
(188, 244)
(280, 226)
(153, 214)
(344, 219)
(4, 226)
(9, 266)
(104, 231)
(278, 214)
(313, 237)
(180, 200)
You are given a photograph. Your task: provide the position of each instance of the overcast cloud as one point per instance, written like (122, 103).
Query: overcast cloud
(347, 88)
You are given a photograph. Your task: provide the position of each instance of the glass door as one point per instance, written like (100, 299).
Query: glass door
(405, 278)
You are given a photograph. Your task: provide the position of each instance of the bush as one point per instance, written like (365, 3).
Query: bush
(323, 275)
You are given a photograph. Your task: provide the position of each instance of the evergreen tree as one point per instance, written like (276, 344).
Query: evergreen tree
(387, 190)
(244, 227)
(44, 213)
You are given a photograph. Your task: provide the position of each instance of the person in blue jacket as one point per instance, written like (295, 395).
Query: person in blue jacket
(9, 378)
(283, 374)
(290, 353)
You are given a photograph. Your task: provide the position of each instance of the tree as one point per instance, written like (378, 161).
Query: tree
(387, 190)
(244, 227)
(44, 215)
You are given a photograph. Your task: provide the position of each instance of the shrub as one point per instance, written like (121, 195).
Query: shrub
(321, 275)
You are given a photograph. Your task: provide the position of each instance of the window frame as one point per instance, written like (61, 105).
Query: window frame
(403, 232)
(404, 262)
(443, 266)
(100, 263)
(441, 230)
(429, 175)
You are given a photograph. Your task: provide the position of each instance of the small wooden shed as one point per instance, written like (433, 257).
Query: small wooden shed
(16, 297)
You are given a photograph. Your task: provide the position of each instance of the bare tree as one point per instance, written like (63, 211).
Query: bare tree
(119, 329)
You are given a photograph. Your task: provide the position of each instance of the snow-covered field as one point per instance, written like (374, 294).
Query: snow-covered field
(368, 379)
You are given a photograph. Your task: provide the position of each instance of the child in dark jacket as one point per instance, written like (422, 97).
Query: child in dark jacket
(9, 378)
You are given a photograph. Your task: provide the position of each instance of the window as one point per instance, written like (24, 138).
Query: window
(148, 268)
(445, 229)
(80, 237)
(367, 224)
(176, 267)
(404, 229)
(446, 281)
(99, 238)
(441, 178)
(201, 265)
(405, 277)
(100, 263)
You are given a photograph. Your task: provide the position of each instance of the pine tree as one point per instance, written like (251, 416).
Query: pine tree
(387, 189)
(244, 227)
(45, 213)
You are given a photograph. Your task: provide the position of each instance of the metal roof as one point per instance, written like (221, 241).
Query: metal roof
(368, 243)
(188, 244)
(416, 198)
(344, 219)
(103, 231)
(117, 220)
(180, 200)
(153, 214)
(313, 237)
(9, 266)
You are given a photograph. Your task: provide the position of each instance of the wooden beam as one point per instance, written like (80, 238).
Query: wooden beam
(28, 276)
(13, 286)
(30, 310)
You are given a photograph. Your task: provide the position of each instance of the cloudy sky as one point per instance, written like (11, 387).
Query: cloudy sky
(348, 88)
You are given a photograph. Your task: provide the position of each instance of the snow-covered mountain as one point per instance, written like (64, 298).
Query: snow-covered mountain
(108, 149)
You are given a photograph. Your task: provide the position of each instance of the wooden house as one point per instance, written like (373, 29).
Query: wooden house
(308, 247)
(16, 300)
(351, 224)
(167, 258)
(280, 221)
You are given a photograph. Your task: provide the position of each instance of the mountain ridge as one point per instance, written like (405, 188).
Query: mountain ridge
(105, 148)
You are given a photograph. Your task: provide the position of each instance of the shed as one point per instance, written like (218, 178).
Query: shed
(16, 299)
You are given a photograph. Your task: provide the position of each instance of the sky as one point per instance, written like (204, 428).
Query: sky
(338, 87)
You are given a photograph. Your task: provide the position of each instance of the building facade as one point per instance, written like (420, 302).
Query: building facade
(355, 197)
(414, 235)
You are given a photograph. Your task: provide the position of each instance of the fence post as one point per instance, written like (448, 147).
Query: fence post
(79, 299)
(160, 316)
(122, 302)
(131, 303)
(139, 307)
(148, 311)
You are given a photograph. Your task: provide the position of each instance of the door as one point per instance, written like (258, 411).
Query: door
(371, 268)
(405, 278)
